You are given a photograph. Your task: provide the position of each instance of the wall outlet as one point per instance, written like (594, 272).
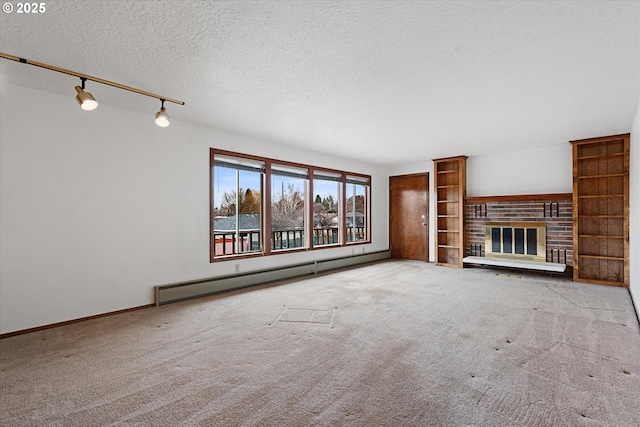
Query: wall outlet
(237, 268)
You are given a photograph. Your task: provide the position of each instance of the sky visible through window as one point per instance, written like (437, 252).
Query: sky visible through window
(224, 181)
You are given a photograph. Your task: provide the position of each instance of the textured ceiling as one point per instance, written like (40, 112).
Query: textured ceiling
(379, 81)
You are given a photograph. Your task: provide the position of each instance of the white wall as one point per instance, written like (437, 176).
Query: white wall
(98, 207)
(634, 212)
(542, 170)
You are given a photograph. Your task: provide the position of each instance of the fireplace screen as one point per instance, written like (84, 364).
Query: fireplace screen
(522, 240)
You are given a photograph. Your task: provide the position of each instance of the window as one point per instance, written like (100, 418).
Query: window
(260, 206)
(357, 208)
(288, 189)
(237, 205)
(326, 208)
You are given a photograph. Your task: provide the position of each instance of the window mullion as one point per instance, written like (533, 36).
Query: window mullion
(237, 243)
(309, 201)
(367, 212)
(353, 214)
(342, 211)
(266, 210)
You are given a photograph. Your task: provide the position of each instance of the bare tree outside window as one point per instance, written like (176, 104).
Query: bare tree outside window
(248, 202)
(288, 207)
(237, 215)
(356, 209)
(326, 186)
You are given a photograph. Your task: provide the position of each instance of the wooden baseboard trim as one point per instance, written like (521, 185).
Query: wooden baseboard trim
(69, 322)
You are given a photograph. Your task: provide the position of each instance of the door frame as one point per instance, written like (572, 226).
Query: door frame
(427, 227)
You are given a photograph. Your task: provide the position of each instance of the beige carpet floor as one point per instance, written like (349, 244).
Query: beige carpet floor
(397, 343)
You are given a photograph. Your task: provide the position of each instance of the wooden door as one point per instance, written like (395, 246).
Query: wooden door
(409, 216)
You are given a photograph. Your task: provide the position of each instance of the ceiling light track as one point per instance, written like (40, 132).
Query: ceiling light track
(84, 97)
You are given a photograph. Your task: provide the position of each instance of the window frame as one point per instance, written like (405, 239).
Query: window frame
(274, 170)
(212, 206)
(355, 179)
(338, 179)
(265, 206)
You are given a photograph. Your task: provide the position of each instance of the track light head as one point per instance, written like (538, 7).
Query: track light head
(162, 118)
(85, 99)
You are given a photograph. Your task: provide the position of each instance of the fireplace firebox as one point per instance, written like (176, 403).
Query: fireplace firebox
(516, 240)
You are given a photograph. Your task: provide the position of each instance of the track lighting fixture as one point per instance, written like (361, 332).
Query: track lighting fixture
(85, 99)
(162, 118)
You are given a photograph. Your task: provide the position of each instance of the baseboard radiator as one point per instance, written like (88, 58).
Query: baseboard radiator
(166, 294)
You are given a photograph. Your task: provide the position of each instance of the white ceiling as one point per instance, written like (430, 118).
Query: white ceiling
(385, 82)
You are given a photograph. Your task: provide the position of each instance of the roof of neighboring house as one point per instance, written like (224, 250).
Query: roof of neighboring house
(228, 223)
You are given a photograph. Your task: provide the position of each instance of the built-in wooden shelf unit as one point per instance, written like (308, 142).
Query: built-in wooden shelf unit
(601, 210)
(451, 188)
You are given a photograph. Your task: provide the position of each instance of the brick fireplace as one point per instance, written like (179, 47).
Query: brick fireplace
(494, 224)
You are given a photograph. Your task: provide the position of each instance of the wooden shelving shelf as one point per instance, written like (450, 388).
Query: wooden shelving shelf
(603, 257)
(598, 156)
(612, 175)
(601, 210)
(451, 187)
(600, 196)
(601, 216)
